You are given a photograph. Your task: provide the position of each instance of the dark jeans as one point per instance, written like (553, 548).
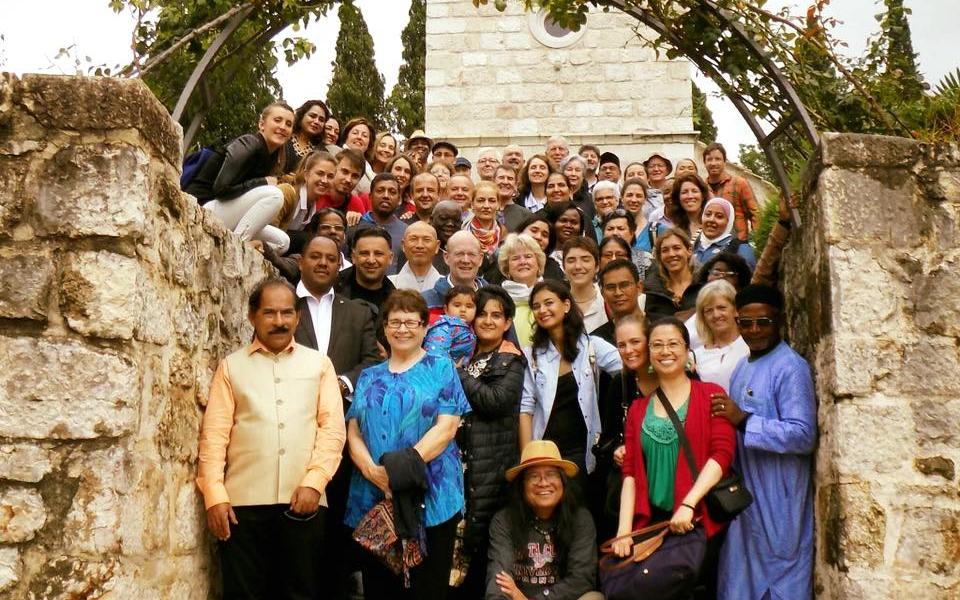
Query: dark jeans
(270, 555)
(429, 580)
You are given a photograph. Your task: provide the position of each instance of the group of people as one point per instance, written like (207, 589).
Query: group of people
(480, 365)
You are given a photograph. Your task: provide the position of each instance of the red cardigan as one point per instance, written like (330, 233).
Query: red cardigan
(710, 437)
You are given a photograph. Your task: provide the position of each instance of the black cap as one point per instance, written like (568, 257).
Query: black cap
(760, 294)
(444, 144)
(609, 157)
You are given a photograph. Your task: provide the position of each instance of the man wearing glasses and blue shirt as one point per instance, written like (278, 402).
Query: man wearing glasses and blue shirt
(768, 552)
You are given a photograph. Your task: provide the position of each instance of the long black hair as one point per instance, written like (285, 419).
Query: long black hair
(520, 519)
(573, 326)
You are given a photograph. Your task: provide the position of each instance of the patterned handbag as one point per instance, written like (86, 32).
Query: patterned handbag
(377, 534)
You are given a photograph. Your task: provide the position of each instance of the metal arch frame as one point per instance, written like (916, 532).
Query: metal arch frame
(795, 113)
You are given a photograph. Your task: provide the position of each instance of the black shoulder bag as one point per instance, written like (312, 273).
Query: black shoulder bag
(730, 496)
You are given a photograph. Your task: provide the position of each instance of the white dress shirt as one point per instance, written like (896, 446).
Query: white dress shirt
(321, 313)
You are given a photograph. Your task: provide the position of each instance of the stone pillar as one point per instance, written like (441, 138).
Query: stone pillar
(873, 284)
(118, 296)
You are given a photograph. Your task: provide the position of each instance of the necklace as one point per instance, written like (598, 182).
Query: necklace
(544, 528)
(587, 301)
(301, 148)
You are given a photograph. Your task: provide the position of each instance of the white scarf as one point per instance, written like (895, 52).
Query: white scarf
(519, 293)
(704, 242)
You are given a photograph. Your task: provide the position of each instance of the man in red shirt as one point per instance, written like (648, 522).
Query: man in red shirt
(348, 172)
(732, 188)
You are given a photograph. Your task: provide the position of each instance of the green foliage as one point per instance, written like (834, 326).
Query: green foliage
(356, 88)
(405, 106)
(171, 36)
(702, 117)
(769, 213)
(753, 158)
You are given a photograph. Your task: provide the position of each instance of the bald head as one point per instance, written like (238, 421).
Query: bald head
(464, 256)
(420, 244)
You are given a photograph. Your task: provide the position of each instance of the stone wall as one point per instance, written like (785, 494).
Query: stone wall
(118, 296)
(490, 82)
(874, 290)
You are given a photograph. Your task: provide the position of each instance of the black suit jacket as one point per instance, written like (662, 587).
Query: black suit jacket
(353, 340)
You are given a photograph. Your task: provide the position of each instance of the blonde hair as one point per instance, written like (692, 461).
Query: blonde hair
(484, 185)
(708, 293)
(514, 243)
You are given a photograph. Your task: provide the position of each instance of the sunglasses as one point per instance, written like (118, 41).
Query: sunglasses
(746, 323)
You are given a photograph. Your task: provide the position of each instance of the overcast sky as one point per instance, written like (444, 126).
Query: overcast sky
(30, 40)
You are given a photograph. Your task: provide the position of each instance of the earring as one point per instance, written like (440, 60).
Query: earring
(649, 369)
(689, 366)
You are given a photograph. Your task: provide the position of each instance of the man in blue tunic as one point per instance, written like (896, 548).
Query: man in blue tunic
(768, 554)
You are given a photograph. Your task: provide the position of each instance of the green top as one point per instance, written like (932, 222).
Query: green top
(661, 447)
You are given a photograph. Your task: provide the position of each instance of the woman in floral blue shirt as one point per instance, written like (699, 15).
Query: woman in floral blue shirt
(411, 400)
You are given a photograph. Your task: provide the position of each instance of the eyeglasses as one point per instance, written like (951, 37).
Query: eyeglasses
(614, 287)
(326, 227)
(746, 323)
(396, 324)
(672, 346)
(544, 476)
(719, 273)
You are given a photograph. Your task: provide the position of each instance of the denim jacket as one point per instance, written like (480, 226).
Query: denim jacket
(540, 384)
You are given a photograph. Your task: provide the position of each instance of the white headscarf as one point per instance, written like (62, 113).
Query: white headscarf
(727, 208)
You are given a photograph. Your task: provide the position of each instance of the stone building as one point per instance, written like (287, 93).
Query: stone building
(496, 78)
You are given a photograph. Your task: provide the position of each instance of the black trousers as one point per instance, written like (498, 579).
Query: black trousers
(272, 556)
(340, 554)
(430, 580)
(474, 586)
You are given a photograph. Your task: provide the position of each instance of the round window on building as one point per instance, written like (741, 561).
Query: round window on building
(551, 34)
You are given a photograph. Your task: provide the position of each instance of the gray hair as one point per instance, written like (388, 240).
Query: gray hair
(573, 158)
(559, 139)
(607, 185)
(489, 150)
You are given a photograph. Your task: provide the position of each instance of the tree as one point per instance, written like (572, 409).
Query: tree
(171, 36)
(703, 117)
(356, 88)
(405, 104)
(896, 46)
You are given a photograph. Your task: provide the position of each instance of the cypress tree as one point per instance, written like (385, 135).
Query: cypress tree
(703, 117)
(405, 104)
(356, 87)
(900, 59)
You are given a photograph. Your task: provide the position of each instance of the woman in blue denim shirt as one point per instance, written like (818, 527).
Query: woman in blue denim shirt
(559, 401)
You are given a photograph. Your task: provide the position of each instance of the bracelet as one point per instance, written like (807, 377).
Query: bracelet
(688, 506)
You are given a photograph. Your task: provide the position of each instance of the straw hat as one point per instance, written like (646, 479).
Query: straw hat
(539, 453)
(419, 135)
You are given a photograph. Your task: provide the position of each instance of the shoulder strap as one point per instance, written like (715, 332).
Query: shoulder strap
(684, 442)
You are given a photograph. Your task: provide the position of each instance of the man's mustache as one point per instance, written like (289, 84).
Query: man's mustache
(280, 330)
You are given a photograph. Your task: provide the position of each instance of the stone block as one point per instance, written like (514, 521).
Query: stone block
(22, 514)
(866, 297)
(931, 366)
(13, 173)
(93, 524)
(853, 199)
(145, 511)
(935, 421)
(9, 567)
(852, 526)
(445, 25)
(861, 424)
(93, 190)
(853, 150)
(68, 578)
(98, 294)
(99, 104)
(188, 526)
(63, 389)
(24, 462)
(929, 542)
(937, 299)
(26, 277)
